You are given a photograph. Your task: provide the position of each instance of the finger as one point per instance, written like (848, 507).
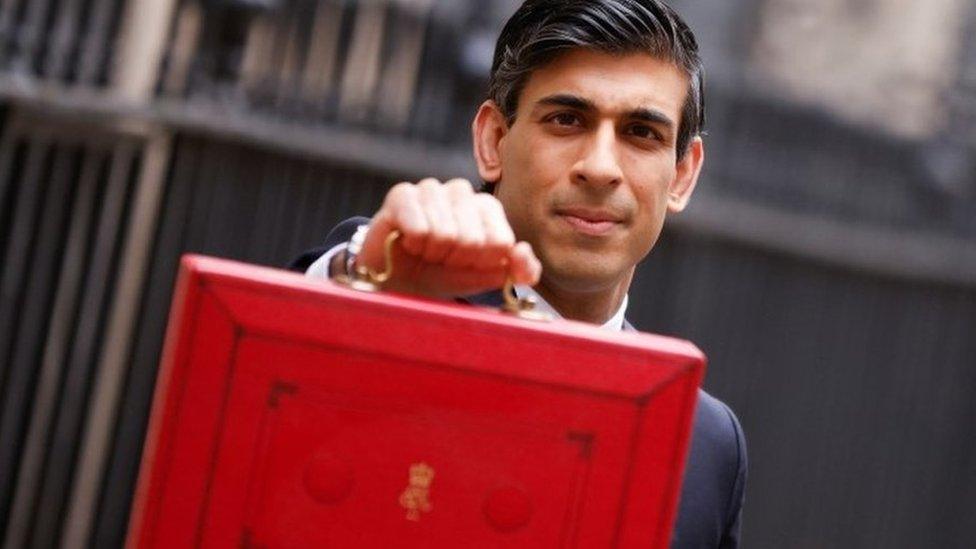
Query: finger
(401, 210)
(524, 266)
(442, 234)
(499, 237)
(470, 243)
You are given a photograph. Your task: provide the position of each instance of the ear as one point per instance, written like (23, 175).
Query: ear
(686, 176)
(487, 131)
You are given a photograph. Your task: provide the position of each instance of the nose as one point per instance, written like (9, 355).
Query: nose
(599, 165)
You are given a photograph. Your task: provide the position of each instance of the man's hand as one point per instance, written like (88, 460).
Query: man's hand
(454, 242)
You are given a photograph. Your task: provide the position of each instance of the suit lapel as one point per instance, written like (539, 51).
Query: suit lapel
(493, 298)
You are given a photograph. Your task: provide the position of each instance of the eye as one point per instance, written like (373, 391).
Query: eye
(643, 131)
(565, 119)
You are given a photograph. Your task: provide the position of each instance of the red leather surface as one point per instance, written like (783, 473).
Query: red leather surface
(296, 413)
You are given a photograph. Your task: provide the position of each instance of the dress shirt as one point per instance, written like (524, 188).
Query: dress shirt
(616, 321)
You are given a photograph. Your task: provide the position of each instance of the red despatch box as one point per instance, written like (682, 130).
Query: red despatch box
(297, 413)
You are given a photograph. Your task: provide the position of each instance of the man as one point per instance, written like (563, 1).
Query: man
(590, 136)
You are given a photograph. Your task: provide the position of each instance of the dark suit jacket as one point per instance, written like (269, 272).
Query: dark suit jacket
(715, 476)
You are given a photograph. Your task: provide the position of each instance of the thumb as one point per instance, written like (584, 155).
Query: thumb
(524, 266)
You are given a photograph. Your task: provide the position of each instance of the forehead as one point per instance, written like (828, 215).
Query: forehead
(610, 81)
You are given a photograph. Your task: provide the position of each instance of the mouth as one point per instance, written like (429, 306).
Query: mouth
(591, 222)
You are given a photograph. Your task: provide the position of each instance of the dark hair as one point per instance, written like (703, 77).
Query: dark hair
(542, 29)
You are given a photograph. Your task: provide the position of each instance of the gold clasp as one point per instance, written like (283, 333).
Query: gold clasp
(522, 307)
(368, 280)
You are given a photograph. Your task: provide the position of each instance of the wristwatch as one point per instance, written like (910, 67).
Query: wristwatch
(353, 248)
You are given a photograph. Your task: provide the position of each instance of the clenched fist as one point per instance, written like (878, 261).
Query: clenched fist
(455, 242)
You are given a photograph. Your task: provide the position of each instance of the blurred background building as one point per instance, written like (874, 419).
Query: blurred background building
(827, 265)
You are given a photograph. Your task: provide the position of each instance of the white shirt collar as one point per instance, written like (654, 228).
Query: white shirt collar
(616, 321)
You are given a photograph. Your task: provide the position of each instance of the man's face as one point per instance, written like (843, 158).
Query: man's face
(589, 167)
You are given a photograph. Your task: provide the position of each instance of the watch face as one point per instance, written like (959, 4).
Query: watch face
(356, 242)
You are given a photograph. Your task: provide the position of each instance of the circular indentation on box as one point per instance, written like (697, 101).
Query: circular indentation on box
(508, 509)
(328, 479)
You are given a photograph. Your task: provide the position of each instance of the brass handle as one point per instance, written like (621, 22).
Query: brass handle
(368, 280)
(522, 307)
(378, 279)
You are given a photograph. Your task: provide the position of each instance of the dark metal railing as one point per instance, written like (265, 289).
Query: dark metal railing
(67, 41)
(391, 66)
(68, 193)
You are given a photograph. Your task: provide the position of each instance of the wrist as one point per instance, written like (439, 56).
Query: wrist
(337, 265)
(349, 255)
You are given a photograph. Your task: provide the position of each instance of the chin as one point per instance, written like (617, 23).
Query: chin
(584, 276)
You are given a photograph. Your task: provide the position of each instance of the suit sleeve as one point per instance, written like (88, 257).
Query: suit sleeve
(731, 536)
(339, 234)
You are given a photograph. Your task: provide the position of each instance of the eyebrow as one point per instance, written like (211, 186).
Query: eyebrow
(582, 104)
(568, 100)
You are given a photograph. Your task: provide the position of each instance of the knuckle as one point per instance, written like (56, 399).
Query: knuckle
(490, 204)
(443, 234)
(460, 185)
(399, 192)
(470, 240)
(486, 199)
(490, 199)
(500, 242)
(428, 183)
(464, 242)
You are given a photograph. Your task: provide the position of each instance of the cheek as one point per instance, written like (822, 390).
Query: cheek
(654, 182)
(652, 202)
(543, 156)
(530, 167)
